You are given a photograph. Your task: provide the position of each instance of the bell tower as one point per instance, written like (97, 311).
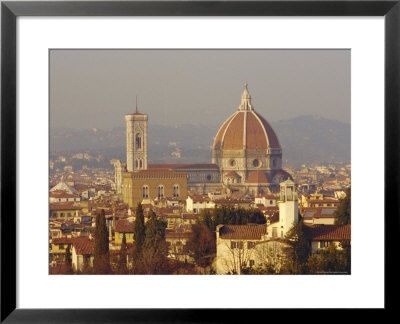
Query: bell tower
(288, 207)
(136, 141)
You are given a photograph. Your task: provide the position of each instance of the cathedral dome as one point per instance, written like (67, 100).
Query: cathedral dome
(246, 129)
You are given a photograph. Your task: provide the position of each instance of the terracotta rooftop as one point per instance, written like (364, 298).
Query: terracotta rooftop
(327, 232)
(257, 177)
(64, 206)
(319, 201)
(183, 166)
(259, 133)
(242, 232)
(232, 174)
(123, 226)
(200, 198)
(319, 212)
(62, 194)
(274, 218)
(61, 240)
(83, 245)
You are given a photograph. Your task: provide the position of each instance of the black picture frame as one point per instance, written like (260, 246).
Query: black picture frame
(10, 10)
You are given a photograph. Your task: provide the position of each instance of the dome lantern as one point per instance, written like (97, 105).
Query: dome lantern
(246, 99)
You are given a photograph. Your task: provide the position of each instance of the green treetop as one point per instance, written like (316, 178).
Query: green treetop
(343, 212)
(101, 261)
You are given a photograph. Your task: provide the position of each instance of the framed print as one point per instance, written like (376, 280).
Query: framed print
(172, 143)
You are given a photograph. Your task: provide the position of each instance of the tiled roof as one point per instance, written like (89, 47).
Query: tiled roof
(232, 174)
(61, 240)
(255, 133)
(259, 134)
(221, 132)
(233, 137)
(319, 212)
(274, 218)
(200, 198)
(83, 245)
(64, 206)
(272, 138)
(189, 216)
(257, 177)
(165, 166)
(123, 226)
(319, 201)
(242, 232)
(199, 166)
(62, 194)
(327, 232)
(283, 173)
(183, 166)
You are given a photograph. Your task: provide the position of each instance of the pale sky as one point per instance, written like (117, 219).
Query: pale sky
(96, 88)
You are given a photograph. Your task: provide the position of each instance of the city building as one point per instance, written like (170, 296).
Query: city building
(246, 158)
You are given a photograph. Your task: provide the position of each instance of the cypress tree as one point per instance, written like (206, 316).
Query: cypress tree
(68, 261)
(139, 236)
(122, 268)
(139, 228)
(101, 262)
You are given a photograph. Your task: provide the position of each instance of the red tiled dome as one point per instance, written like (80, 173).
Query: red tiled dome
(259, 133)
(246, 129)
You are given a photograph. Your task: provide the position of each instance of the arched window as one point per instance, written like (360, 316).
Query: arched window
(176, 191)
(138, 141)
(141, 163)
(145, 191)
(136, 164)
(160, 191)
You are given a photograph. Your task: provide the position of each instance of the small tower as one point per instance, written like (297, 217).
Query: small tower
(119, 167)
(136, 141)
(288, 207)
(245, 104)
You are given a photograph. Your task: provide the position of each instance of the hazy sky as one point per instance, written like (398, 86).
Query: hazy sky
(96, 88)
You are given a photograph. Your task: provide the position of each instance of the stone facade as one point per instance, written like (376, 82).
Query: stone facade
(152, 184)
(245, 144)
(119, 168)
(136, 141)
(246, 156)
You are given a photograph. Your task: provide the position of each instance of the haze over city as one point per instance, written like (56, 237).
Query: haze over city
(95, 88)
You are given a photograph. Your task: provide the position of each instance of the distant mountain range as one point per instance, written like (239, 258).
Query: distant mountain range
(304, 139)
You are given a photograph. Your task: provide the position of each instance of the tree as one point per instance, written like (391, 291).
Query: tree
(101, 261)
(272, 256)
(343, 212)
(154, 252)
(68, 261)
(139, 228)
(122, 268)
(237, 258)
(202, 244)
(230, 216)
(346, 246)
(139, 237)
(330, 260)
(298, 251)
